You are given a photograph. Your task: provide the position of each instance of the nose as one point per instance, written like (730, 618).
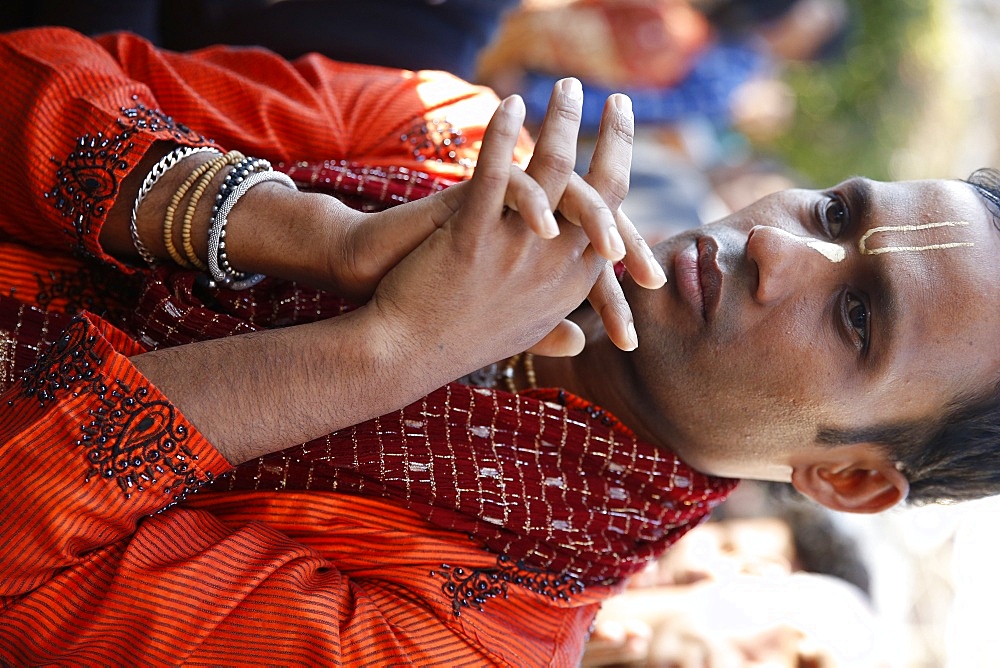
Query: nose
(786, 262)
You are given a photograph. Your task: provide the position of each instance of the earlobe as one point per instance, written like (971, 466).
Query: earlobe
(853, 486)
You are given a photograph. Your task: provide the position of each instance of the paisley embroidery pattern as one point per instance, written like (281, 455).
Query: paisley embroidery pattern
(70, 362)
(88, 179)
(90, 176)
(129, 437)
(471, 588)
(137, 441)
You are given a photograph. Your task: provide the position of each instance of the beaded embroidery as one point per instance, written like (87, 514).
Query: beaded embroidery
(89, 288)
(129, 437)
(471, 588)
(136, 441)
(90, 176)
(434, 140)
(70, 361)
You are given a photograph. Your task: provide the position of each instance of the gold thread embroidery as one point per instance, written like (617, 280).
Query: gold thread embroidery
(8, 343)
(911, 228)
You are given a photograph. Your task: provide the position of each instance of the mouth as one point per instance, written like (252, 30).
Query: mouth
(698, 277)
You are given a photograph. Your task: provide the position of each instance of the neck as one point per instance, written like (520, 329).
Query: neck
(601, 374)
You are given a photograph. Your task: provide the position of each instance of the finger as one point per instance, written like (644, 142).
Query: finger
(609, 302)
(554, 158)
(609, 175)
(611, 163)
(583, 205)
(565, 340)
(525, 196)
(639, 259)
(492, 174)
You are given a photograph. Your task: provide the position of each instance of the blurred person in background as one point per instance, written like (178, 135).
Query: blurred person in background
(677, 60)
(769, 581)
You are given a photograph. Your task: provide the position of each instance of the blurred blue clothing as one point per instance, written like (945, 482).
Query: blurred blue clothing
(706, 92)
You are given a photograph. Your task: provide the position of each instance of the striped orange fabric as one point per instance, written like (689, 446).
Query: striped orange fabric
(98, 564)
(106, 558)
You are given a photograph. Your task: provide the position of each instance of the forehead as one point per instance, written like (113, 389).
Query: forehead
(935, 245)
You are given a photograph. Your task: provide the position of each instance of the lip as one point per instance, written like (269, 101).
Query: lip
(698, 277)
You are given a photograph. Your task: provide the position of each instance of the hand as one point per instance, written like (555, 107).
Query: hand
(485, 285)
(602, 191)
(374, 243)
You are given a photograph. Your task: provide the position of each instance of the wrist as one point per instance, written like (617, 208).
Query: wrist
(293, 235)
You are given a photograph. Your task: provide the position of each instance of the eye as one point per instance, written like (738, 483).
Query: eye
(857, 316)
(834, 216)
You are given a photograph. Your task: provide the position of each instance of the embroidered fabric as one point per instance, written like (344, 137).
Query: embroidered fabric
(547, 480)
(543, 477)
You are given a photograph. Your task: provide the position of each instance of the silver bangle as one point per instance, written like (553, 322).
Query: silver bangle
(164, 165)
(218, 262)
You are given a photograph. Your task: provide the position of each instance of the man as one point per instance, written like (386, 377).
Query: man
(444, 531)
(851, 370)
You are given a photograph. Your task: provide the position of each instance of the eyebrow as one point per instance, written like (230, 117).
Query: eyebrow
(885, 303)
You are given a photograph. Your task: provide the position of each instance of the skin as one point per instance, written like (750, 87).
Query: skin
(745, 391)
(421, 271)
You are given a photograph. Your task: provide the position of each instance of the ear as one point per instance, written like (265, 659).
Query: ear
(857, 478)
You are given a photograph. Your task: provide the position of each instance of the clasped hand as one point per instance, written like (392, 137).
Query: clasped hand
(493, 266)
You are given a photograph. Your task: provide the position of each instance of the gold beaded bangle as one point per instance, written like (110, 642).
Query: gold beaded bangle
(509, 372)
(168, 218)
(529, 370)
(231, 158)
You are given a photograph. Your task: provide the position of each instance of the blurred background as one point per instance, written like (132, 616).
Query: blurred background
(733, 99)
(813, 92)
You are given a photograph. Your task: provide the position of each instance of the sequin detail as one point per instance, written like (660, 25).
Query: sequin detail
(138, 441)
(471, 588)
(97, 289)
(434, 140)
(70, 361)
(128, 437)
(90, 176)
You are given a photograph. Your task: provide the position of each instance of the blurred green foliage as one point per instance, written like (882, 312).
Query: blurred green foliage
(856, 110)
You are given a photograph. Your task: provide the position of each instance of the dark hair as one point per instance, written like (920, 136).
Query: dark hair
(954, 458)
(822, 547)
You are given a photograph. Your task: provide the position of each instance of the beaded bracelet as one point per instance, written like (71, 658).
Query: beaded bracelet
(218, 262)
(232, 158)
(211, 168)
(239, 171)
(236, 176)
(164, 165)
(243, 169)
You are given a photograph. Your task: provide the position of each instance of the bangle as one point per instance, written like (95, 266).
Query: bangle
(243, 169)
(218, 262)
(168, 218)
(164, 165)
(231, 158)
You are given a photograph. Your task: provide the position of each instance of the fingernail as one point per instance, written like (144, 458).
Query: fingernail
(572, 88)
(514, 104)
(615, 239)
(623, 102)
(633, 338)
(659, 270)
(551, 226)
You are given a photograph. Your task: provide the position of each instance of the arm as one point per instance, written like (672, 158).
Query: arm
(431, 319)
(87, 447)
(122, 95)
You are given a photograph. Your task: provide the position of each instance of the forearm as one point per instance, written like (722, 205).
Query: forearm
(273, 230)
(262, 392)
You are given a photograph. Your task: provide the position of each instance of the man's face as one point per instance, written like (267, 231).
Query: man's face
(785, 318)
